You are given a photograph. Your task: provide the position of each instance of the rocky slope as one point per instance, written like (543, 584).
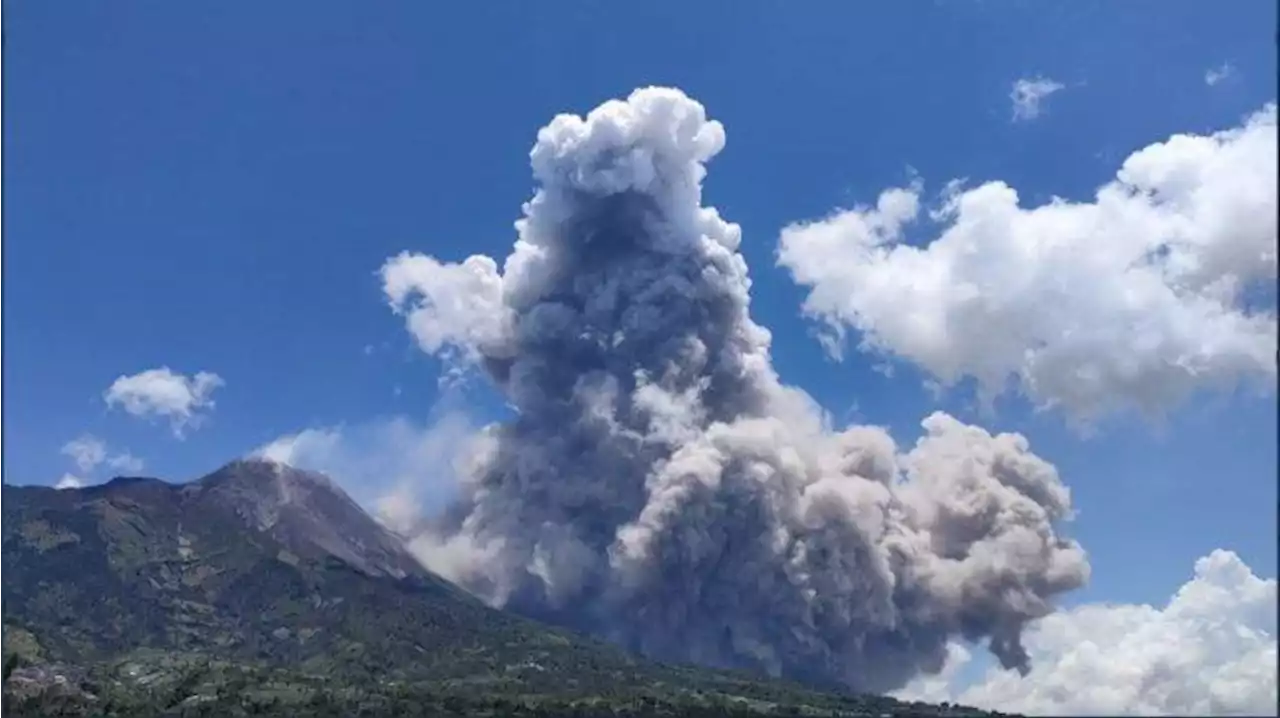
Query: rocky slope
(263, 587)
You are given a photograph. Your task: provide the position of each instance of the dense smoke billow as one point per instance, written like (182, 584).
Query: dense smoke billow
(660, 487)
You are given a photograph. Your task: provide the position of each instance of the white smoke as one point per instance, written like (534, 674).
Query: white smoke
(661, 487)
(1134, 300)
(69, 481)
(395, 466)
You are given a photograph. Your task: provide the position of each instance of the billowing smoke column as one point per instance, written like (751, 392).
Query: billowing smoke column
(660, 487)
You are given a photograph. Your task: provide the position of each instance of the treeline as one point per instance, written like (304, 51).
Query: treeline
(407, 705)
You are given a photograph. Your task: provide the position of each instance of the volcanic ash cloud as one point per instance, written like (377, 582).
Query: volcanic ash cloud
(660, 487)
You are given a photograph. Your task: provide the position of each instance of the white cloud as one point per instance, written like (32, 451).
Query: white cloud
(1211, 650)
(1215, 75)
(1028, 94)
(164, 393)
(69, 481)
(1135, 299)
(86, 451)
(398, 469)
(89, 452)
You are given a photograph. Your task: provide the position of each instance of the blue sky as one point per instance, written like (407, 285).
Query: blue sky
(214, 187)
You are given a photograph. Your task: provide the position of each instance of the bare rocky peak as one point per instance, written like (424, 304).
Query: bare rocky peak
(309, 513)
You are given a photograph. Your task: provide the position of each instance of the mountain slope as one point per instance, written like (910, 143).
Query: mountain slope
(263, 569)
(226, 562)
(307, 513)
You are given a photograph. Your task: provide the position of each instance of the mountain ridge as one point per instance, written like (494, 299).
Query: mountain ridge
(275, 573)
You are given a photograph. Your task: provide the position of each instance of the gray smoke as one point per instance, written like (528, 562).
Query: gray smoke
(659, 486)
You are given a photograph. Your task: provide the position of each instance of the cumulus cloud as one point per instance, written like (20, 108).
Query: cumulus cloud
(1211, 650)
(397, 468)
(1028, 94)
(1215, 75)
(1137, 298)
(661, 487)
(166, 394)
(89, 452)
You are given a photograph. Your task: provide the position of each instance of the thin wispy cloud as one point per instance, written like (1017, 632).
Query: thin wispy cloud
(125, 462)
(1219, 74)
(89, 452)
(86, 451)
(1029, 94)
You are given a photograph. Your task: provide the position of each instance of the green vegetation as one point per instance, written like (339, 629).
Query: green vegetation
(141, 598)
(199, 687)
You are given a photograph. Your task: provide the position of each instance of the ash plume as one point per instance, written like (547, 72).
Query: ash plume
(661, 487)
